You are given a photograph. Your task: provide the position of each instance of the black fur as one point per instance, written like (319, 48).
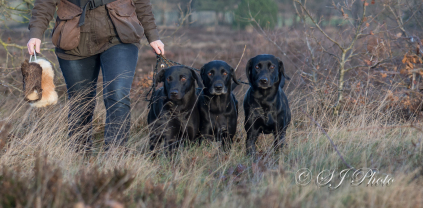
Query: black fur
(265, 104)
(217, 104)
(174, 113)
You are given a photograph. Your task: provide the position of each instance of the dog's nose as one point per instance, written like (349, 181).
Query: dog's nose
(264, 80)
(174, 92)
(218, 87)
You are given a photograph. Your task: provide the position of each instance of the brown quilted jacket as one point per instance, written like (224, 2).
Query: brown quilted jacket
(99, 31)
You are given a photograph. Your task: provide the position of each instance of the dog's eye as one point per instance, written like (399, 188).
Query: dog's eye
(257, 67)
(272, 67)
(169, 79)
(209, 74)
(225, 73)
(183, 79)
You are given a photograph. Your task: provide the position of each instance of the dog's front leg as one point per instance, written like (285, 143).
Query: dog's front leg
(172, 144)
(206, 129)
(252, 136)
(279, 141)
(154, 141)
(172, 138)
(226, 139)
(227, 143)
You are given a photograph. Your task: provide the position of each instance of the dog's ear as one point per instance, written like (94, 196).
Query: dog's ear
(203, 71)
(234, 76)
(160, 76)
(282, 71)
(197, 78)
(248, 70)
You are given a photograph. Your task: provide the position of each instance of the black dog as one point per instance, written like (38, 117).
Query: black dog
(174, 112)
(217, 104)
(265, 104)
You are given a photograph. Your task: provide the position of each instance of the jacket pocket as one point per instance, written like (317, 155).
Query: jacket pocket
(124, 18)
(66, 33)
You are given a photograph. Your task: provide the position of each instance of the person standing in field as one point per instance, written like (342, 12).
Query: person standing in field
(90, 35)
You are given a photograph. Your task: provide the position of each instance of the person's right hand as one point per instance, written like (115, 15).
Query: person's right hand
(34, 42)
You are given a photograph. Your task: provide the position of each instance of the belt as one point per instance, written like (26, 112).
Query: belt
(91, 4)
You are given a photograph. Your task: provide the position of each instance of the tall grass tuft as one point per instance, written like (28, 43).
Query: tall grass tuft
(40, 168)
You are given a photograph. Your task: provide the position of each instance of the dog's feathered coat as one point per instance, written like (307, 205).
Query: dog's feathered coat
(38, 83)
(265, 104)
(218, 105)
(173, 113)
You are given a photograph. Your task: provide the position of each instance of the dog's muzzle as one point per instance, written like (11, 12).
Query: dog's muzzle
(174, 94)
(263, 82)
(218, 89)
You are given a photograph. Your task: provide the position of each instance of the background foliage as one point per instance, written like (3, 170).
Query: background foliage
(264, 11)
(377, 124)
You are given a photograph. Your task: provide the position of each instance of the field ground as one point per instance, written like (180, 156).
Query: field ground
(38, 168)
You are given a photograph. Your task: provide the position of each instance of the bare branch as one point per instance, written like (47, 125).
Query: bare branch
(358, 31)
(266, 36)
(318, 26)
(245, 47)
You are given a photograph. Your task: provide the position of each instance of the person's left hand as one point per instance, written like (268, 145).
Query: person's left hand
(158, 46)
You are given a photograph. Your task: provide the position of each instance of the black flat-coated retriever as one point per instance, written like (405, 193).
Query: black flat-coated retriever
(265, 104)
(218, 105)
(174, 111)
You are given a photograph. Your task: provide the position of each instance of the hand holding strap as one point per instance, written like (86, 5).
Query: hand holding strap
(35, 57)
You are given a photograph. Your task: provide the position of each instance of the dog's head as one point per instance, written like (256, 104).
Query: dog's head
(178, 80)
(264, 71)
(217, 77)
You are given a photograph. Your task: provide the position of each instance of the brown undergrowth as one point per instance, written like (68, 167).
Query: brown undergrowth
(38, 167)
(378, 127)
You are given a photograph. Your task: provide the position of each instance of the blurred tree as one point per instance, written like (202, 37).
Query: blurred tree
(263, 11)
(215, 5)
(163, 7)
(15, 11)
(220, 7)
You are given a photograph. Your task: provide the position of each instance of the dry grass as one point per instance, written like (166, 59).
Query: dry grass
(378, 127)
(206, 176)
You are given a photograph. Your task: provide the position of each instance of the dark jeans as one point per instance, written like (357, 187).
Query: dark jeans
(118, 67)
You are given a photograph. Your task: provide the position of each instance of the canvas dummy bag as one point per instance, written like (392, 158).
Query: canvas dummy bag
(71, 16)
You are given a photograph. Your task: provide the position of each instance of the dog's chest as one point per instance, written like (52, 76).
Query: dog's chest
(215, 106)
(266, 117)
(219, 120)
(219, 114)
(265, 112)
(178, 118)
(175, 118)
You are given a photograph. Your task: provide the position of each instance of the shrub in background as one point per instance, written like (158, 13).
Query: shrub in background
(263, 11)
